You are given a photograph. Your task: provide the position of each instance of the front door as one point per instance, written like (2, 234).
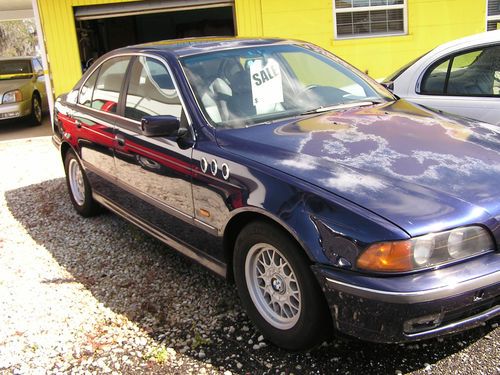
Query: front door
(154, 172)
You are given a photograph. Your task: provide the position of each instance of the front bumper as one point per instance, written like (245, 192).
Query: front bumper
(413, 307)
(15, 110)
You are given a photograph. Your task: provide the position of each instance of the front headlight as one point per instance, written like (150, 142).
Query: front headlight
(13, 96)
(426, 251)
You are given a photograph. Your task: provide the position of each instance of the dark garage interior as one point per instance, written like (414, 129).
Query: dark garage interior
(100, 35)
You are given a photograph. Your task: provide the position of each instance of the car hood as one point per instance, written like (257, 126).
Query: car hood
(7, 85)
(420, 170)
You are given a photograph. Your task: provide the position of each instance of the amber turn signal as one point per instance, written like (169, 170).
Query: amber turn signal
(387, 256)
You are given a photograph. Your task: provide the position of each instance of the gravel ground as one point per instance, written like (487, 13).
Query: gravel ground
(99, 296)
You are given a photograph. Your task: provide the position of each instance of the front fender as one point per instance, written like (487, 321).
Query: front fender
(326, 226)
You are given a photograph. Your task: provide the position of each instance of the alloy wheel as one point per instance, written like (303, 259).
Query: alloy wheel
(76, 182)
(273, 286)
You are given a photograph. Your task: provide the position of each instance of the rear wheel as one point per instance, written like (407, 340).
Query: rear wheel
(78, 187)
(277, 288)
(36, 110)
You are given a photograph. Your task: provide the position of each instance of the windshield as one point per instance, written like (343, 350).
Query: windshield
(242, 87)
(12, 69)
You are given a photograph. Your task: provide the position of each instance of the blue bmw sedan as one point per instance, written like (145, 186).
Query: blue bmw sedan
(333, 205)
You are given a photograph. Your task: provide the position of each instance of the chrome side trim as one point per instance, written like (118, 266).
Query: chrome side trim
(418, 296)
(203, 164)
(213, 167)
(203, 224)
(205, 260)
(225, 171)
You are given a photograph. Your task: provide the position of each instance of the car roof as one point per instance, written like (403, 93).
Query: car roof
(471, 40)
(193, 46)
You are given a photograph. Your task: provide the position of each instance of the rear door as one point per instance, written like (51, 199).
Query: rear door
(93, 122)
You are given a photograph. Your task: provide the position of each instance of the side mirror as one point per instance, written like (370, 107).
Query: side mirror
(160, 126)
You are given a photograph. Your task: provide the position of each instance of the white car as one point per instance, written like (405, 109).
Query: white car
(460, 77)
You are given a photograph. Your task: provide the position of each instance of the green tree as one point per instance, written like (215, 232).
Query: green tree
(18, 38)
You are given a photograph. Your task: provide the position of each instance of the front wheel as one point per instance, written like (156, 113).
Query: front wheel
(278, 289)
(36, 110)
(79, 187)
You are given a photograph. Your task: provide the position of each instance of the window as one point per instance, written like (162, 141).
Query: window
(312, 73)
(109, 84)
(472, 73)
(8, 67)
(248, 86)
(85, 95)
(151, 91)
(493, 19)
(37, 66)
(358, 18)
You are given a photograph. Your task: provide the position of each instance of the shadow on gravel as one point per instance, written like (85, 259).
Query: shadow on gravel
(185, 306)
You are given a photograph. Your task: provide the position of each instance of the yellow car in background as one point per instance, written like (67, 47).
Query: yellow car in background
(22, 89)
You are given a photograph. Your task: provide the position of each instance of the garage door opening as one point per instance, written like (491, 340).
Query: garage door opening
(99, 32)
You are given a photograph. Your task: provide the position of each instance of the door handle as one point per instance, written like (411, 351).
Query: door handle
(120, 140)
(78, 124)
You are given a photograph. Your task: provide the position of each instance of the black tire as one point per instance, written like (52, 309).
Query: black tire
(313, 323)
(36, 110)
(78, 186)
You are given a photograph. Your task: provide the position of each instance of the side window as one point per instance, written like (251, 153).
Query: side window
(109, 83)
(435, 79)
(85, 95)
(37, 66)
(151, 91)
(473, 73)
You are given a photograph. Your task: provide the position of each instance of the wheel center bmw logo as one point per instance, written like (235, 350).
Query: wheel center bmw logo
(277, 284)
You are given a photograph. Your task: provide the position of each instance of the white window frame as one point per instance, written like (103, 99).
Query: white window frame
(403, 6)
(490, 18)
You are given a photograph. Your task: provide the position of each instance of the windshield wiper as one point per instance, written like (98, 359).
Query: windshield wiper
(360, 103)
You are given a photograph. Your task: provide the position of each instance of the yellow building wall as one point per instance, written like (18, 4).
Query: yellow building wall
(430, 23)
(248, 14)
(58, 24)
(61, 41)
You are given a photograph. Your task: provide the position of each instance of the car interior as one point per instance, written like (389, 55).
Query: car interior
(477, 78)
(223, 86)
